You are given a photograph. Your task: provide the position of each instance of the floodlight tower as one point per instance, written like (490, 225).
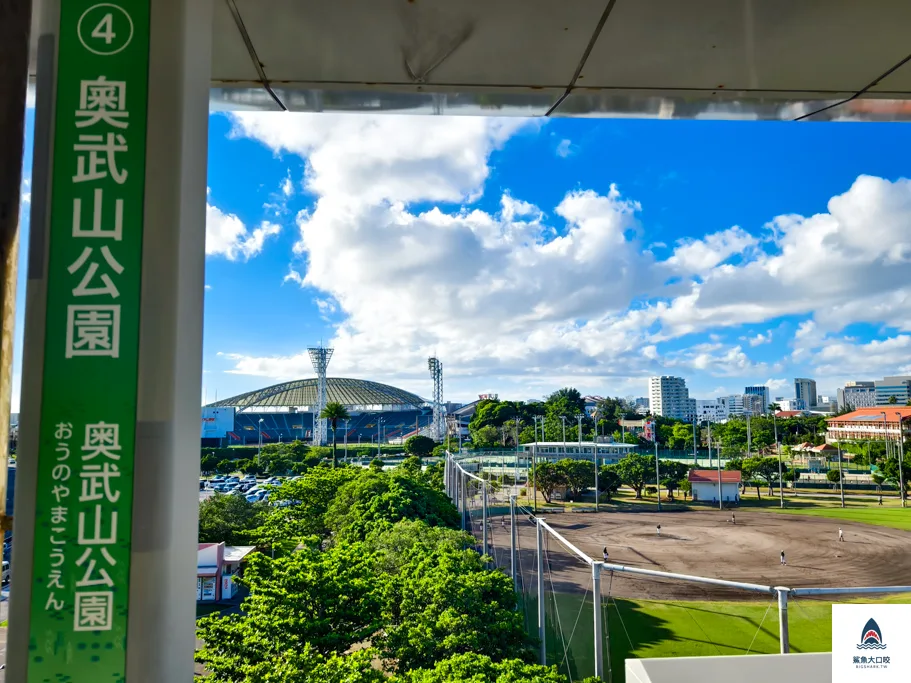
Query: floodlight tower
(320, 356)
(438, 428)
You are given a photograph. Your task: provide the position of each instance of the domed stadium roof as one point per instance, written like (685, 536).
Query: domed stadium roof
(302, 393)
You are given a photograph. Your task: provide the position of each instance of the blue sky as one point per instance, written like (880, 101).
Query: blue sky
(530, 255)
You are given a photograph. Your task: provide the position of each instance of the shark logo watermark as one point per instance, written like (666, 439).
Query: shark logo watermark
(871, 637)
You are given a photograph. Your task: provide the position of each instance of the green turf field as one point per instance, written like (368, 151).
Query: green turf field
(895, 518)
(648, 628)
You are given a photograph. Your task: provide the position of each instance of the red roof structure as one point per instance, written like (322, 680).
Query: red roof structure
(711, 476)
(789, 413)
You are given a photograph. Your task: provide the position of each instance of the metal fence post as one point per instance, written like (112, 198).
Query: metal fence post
(446, 467)
(540, 551)
(512, 544)
(463, 494)
(484, 519)
(599, 635)
(783, 620)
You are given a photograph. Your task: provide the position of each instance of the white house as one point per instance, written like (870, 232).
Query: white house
(704, 485)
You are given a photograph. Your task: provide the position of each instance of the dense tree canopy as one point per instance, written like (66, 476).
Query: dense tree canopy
(420, 446)
(475, 668)
(229, 519)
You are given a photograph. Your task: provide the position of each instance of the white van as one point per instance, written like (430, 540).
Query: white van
(6, 574)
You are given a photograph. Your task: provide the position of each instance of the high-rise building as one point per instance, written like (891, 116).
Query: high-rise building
(733, 404)
(761, 391)
(753, 404)
(789, 404)
(805, 390)
(669, 397)
(898, 386)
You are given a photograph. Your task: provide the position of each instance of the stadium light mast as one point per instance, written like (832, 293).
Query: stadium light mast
(438, 427)
(901, 457)
(320, 356)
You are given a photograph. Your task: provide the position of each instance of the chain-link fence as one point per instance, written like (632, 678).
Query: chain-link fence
(591, 614)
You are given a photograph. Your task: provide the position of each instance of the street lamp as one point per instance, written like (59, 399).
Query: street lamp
(379, 425)
(901, 457)
(579, 418)
(346, 440)
(563, 418)
(259, 450)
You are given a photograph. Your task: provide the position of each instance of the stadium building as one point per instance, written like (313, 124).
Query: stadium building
(285, 412)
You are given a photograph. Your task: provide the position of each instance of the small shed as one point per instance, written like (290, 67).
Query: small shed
(705, 487)
(217, 565)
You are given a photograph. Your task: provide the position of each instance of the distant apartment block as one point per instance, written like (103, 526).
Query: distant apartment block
(710, 410)
(788, 404)
(805, 390)
(669, 397)
(854, 395)
(898, 386)
(763, 393)
(753, 404)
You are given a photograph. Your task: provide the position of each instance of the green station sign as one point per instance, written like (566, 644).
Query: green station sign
(80, 581)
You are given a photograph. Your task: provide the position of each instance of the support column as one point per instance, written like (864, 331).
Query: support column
(157, 358)
(463, 480)
(783, 637)
(539, 545)
(599, 635)
(513, 559)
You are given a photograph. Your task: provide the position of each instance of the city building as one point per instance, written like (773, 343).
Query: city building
(897, 387)
(870, 424)
(792, 404)
(805, 390)
(854, 395)
(669, 397)
(733, 404)
(761, 391)
(710, 410)
(642, 406)
(754, 404)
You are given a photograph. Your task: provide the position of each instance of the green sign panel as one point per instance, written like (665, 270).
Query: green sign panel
(80, 584)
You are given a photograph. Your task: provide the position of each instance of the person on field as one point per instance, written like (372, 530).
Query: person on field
(733, 518)
(659, 529)
(783, 561)
(841, 534)
(604, 553)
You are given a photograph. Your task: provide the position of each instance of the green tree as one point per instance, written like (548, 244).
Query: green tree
(893, 400)
(225, 467)
(578, 475)
(833, 476)
(299, 507)
(609, 481)
(757, 484)
(765, 469)
(471, 667)
(681, 436)
(411, 465)
(334, 412)
(685, 486)
(328, 599)
(485, 437)
(546, 478)
(420, 446)
(636, 471)
(375, 499)
(208, 463)
(671, 485)
(228, 519)
(376, 465)
(448, 603)
(409, 540)
(303, 666)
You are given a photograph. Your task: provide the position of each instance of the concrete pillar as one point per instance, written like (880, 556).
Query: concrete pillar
(539, 546)
(513, 558)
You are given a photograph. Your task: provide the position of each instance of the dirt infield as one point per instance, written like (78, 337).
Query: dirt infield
(706, 543)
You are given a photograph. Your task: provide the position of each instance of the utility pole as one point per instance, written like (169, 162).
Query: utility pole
(841, 476)
(15, 25)
(563, 418)
(579, 418)
(901, 457)
(657, 473)
(778, 448)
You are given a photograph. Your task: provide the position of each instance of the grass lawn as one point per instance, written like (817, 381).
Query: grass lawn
(895, 518)
(647, 628)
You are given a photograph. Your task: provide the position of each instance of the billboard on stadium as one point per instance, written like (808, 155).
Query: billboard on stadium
(217, 422)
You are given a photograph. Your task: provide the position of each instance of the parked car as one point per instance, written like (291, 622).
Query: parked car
(202, 484)
(6, 572)
(252, 498)
(232, 480)
(217, 480)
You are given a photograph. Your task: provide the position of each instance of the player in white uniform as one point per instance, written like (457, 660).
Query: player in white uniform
(841, 534)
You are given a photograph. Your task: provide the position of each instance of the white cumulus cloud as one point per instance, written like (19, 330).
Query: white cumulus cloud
(226, 235)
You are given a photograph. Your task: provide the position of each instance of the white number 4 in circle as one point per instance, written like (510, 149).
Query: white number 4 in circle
(105, 29)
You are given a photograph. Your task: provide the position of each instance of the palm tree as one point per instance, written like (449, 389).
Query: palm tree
(334, 412)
